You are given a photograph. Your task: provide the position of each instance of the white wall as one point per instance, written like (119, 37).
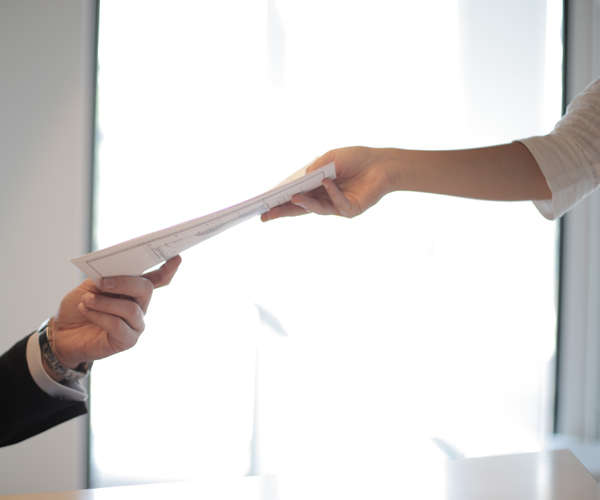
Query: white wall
(46, 50)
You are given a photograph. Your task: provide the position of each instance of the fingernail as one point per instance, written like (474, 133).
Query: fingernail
(108, 283)
(81, 307)
(88, 297)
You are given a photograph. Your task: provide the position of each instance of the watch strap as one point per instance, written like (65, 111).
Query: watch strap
(65, 374)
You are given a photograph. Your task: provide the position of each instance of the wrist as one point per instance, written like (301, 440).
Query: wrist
(57, 340)
(51, 373)
(57, 368)
(392, 164)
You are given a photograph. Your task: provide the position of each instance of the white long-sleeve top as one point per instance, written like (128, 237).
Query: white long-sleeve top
(569, 156)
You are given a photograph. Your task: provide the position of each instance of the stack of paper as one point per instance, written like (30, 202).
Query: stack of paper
(135, 256)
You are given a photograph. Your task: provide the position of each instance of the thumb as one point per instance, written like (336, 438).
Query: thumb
(163, 275)
(321, 161)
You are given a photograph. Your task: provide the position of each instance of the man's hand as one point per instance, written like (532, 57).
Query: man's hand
(96, 322)
(361, 180)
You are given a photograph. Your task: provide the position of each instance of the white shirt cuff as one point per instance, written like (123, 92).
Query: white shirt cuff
(558, 164)
(569, 156)
(75, 392)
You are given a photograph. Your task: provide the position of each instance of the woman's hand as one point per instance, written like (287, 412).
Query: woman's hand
(362, 178)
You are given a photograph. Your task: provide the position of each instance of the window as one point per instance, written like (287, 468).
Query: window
(426, 320)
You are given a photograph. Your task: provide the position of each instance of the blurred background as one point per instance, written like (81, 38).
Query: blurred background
(424, 330)
(428, 317)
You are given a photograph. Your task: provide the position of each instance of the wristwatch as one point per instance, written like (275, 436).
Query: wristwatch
(65, 374)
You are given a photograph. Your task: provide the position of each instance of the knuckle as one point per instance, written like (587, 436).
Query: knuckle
(122, 328)
(114, 324)
(148, 287)
(112, 284)
(131, 309)
(139, 318)
(128, 344)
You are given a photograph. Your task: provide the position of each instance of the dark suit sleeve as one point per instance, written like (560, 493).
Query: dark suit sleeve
(26, 410)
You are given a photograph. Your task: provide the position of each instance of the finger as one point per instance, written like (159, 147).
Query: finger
(322, 161)
(121, 336)
(339, 200)
(128, 310)
(139, 288)
(285, 210)
(164, 274)
(318, 206)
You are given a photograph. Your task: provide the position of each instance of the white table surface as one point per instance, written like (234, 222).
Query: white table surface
(552, 475)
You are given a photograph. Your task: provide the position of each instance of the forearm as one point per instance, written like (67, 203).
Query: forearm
(26, 408)
(505, 172)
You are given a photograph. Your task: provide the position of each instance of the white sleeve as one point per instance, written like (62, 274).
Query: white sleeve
(569, 156)
(75, 392)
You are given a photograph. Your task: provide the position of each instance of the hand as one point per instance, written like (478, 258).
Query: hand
(361, 180)
(96, 322)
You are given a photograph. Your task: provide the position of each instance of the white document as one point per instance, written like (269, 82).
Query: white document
(135, 256)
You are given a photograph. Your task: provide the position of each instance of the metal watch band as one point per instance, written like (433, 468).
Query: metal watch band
(66, 374)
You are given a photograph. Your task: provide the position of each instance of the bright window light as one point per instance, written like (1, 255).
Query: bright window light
(425, 326)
